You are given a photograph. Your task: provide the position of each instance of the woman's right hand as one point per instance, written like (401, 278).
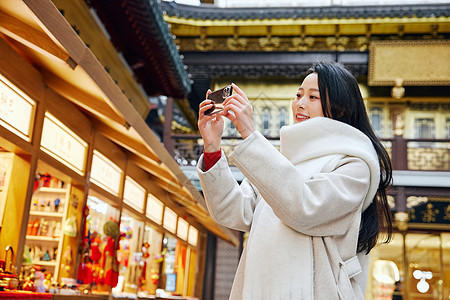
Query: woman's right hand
(210, 126)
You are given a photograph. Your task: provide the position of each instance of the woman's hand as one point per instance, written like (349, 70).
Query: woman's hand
(211, 127)
(238, 109)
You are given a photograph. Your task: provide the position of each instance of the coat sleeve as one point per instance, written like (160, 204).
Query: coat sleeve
(323, 205)
(229, 204)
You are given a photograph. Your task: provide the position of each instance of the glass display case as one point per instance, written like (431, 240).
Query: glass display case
(47, 223)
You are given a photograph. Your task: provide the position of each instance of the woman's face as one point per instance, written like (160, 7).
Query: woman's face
(307, 104)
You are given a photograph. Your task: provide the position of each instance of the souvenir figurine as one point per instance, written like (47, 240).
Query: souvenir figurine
(39, 282)
(34, 204)
(44, 227)
(56, 204)
(45, 178)
(42, 203)
(35, 227)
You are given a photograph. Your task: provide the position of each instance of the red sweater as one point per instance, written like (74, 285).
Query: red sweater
(210, 159)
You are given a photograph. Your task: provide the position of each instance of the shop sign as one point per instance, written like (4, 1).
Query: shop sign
(105, 173)
(63, 144)
(16, 110)
(170, 220)
(154, 209)
(193, 236)
(134, 194)
(428, 213)
(182, 230)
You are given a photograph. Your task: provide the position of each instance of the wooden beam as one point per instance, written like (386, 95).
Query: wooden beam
(32, 38)
(125, 141)
(152, 167)
(89, 102)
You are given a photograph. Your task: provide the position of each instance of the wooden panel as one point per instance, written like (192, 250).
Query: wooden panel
(11, 142)
(125, 141)
(78, 14)
(18, 71)
(415, 62)
(31, 37)
(69, 114)
(15, 204)
(52, 19)
(96, 106)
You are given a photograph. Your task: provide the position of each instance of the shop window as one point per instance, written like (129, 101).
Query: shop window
(376, 119)
(265, 120)
(129, 253)
(98, 255)
(48, 223)
(232, 127)
(425, 265)
(421, 278)
(387, 270)
(152, 256)
(424, 128)
(175, 267)
(447, 128)
(282, 117)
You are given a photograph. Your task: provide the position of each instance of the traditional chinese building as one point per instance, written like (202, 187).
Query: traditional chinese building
(399, 54)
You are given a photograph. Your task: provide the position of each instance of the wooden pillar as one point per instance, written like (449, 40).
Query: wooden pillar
(167, 135)
(36, 142)
(399, 153)
(210, 267)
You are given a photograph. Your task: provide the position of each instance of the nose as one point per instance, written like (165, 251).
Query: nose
(301, 103)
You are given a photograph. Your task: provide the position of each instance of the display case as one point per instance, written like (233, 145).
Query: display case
(129, 253)
(98, 246)
(44, 238)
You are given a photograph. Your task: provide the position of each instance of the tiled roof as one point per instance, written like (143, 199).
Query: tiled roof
(139, 32)
(210, 12)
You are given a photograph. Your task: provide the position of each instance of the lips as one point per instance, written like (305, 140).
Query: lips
(301, 117)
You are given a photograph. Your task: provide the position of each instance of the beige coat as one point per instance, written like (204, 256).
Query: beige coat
(302, 207)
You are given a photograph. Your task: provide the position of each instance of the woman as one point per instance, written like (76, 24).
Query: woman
(315, 209)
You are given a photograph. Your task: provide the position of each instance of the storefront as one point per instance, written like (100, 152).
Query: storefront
(90, 202)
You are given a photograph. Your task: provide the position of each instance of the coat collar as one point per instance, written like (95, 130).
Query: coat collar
(322, 136)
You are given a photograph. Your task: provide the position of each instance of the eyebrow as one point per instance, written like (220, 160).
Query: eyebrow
(314, 89)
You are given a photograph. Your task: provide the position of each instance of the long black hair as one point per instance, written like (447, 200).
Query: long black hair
(342, 101)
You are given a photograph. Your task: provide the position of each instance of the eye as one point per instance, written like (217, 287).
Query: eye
(299, 95)
(314, 97)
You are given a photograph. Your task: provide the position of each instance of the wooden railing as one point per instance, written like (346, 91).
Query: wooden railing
(406, 154)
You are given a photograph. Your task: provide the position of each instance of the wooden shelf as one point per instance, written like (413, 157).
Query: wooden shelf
(42, 263)
(51, 190)
(43, 238)
(46, 213)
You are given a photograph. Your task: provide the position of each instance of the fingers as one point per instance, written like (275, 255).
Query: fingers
(207, 93)
(240, 92)
(204, 106)
(236, 100)
(206, 102)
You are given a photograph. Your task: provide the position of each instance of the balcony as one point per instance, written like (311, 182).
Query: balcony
(406, 154)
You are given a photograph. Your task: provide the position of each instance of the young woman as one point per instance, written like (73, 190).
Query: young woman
(315, 208)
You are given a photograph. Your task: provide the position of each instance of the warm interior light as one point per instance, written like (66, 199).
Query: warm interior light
(417, 274)
(423, 286)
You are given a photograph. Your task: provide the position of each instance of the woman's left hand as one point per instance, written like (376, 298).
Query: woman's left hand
(237, 109)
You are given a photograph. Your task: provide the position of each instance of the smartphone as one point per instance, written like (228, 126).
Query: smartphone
(218, 97)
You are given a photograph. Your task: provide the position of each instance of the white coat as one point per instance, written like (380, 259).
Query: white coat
(302, 207)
